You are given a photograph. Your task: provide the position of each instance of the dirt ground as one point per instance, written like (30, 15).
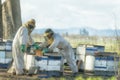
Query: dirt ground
(6, 76)
(67, 76)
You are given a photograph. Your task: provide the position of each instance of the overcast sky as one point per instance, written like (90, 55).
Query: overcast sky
(98, 14)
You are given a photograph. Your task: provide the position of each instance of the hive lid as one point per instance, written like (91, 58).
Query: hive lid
(52, 54)
(106, 54)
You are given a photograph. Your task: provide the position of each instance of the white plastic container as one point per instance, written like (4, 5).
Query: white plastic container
(29, 61)
(80, 55)
(89, 63)
(81, 49)
(82, 58)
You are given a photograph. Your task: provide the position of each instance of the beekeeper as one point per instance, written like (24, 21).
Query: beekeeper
(20, 42)
(54, 40)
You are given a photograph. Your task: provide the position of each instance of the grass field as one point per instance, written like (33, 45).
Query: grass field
(81, 78)
(4, 76)
(110, 43)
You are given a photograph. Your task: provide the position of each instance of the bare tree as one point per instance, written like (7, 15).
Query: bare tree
(11, 18)
(1, 27)
(117, 42)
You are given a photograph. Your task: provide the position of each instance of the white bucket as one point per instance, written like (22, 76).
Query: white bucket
(29, 61)
(89, 63)
(80, 50)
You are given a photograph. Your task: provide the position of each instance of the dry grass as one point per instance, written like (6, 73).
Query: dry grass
(81, 76)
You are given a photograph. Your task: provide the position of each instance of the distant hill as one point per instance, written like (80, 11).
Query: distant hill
(92, 31)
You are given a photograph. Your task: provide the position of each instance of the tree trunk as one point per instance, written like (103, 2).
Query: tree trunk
(11, 18)
(1, 27)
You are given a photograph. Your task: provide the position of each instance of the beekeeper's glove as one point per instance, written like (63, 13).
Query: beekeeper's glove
(23, 48)
(45, 50)
(36, 46)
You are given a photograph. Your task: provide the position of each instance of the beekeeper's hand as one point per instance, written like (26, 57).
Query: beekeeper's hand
(45, 50)
(36, 46)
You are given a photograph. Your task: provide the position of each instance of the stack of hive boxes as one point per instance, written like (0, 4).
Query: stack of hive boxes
(49, 66)
(106, 62)
(5, 54)
(83, 51)
(49, 63)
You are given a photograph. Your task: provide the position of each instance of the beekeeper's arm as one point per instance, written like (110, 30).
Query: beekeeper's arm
(23, 39)
(31, 41)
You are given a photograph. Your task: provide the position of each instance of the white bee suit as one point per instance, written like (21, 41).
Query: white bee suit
(66, 51)
(21, 37)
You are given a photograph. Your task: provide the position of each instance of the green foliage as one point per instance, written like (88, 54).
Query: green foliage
(79, 78)
(112, 78)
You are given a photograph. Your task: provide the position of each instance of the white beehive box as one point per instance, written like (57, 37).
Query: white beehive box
(100, 48)
(8, 60)
(43, 67)
(42, 62)
(54, 63)
(53, 68)
(8, 54)
(100, 63)
(49, 63)
(2, 54)
(112, 63)
(90, 50)
(8, 46)
(2, 45)
(5, 61)
(3, 58)
(110, 66)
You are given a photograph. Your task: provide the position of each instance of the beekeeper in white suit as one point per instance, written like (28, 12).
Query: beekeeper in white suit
(19, 46)
(54, 40)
